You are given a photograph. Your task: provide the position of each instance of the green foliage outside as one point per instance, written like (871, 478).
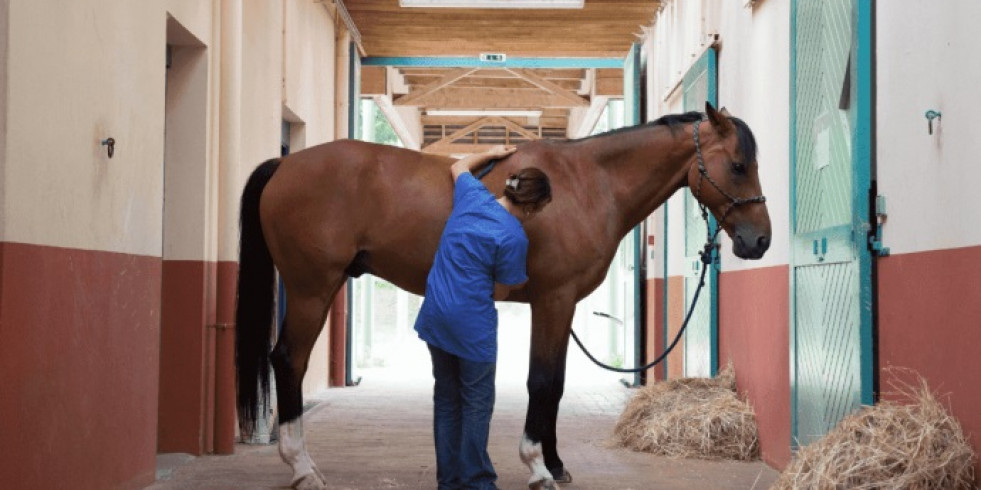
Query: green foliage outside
(376, 127)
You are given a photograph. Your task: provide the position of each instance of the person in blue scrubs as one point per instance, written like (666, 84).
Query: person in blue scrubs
(481, 257)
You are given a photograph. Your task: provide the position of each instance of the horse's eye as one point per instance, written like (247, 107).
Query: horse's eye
(739, 167)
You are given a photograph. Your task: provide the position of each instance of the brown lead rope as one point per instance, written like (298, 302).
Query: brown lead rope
(694, 300)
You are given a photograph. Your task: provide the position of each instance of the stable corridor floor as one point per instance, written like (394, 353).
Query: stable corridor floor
(378, 435)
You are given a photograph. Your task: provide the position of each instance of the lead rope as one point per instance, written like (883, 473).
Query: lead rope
(706, 254)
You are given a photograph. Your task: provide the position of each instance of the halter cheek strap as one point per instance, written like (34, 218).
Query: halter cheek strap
(733, 201)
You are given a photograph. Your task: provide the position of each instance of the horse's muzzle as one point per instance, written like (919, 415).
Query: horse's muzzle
(748, 244)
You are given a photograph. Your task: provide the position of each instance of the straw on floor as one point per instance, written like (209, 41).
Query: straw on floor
(915, 444)
(691, 418)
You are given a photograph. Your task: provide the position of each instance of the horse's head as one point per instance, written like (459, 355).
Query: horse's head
(724, 176)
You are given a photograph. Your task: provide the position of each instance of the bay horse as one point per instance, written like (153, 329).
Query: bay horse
(347, 208)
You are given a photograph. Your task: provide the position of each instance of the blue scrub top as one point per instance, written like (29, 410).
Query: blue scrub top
(482, 244)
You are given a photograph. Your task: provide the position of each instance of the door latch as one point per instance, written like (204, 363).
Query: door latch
(875, 238)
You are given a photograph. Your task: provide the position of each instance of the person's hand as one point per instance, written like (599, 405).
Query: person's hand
(500, 151)
(473, 161)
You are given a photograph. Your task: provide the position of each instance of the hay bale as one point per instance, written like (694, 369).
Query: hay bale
(916, 444)
(691, 418)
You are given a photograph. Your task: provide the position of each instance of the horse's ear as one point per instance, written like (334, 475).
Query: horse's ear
(720, 120)
(725, 112)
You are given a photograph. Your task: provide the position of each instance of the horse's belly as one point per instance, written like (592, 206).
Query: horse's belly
(407, 274)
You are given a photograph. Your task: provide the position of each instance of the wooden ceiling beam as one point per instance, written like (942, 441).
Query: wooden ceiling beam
(491, 98)
(544, 121)
(448, 141)
(389, 7)
(514, 128)
(550, 87)
(456, 148)
(569, 85)
(460, 133)
(445, 80)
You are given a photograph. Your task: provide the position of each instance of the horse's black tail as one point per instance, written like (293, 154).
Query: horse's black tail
(255, 304)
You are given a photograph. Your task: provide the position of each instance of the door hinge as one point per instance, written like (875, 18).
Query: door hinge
(875, 235)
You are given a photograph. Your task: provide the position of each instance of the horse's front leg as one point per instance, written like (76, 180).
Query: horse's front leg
(551, 321)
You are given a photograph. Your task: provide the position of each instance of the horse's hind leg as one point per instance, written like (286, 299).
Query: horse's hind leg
(305, 316)
(551, 321)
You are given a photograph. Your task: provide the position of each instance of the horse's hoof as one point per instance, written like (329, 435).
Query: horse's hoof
(543, 485)
(310, 481)
(565, 477)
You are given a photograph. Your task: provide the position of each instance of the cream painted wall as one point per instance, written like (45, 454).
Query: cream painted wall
(308, 55)
(79, 72)
(195, 15)
(930, 181)
(262, 84)
(187, 180)
(4, 6)
(190, 174)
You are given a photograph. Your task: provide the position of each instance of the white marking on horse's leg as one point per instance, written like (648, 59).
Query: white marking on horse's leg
(531, 456)
(294, 452)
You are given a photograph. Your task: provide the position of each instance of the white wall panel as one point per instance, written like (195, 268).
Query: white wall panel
(927, 59)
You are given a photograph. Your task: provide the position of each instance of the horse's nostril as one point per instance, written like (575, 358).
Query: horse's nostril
(763, 242)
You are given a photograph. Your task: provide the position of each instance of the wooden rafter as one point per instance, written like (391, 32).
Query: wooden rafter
(589, 119)
(517, 129)
(422, 92)
(446, 145)
(493, 98)
(550, 87)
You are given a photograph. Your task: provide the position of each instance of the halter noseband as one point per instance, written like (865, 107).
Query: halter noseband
(733, 201)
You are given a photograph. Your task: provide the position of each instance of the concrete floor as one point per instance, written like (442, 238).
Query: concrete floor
(378, 436)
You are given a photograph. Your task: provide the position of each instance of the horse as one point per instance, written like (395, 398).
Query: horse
(347, 208)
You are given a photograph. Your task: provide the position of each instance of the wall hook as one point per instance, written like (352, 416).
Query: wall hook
(931, 115)
(111, 144)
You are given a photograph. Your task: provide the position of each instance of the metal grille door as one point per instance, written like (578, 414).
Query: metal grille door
(701, 335)
(830, 183)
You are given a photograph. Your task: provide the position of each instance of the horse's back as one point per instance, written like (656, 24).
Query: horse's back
(360, 207)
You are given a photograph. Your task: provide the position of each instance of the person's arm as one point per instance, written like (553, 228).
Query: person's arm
(501, 291)
(470, 162)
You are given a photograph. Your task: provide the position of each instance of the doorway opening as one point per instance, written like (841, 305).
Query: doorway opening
(186, 402)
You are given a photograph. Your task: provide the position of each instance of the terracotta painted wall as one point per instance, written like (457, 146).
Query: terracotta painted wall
(676, 315)
(78, 350)
(655, 327)
(186, 404)
(930, 322)
(754, 335)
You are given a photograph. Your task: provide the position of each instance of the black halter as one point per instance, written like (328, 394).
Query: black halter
(733, 201)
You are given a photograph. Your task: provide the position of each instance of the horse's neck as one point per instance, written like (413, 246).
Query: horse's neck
(645, 167)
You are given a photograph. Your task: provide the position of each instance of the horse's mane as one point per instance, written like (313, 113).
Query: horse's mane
(747, 142)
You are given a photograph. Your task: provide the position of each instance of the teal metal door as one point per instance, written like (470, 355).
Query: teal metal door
(831, 363)
(632, 312)
(701, 335)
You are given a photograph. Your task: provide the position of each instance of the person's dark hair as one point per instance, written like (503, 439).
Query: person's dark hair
(529, 189)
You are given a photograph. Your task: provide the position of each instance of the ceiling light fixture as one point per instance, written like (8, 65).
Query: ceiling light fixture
(495, 4)
(475, 113)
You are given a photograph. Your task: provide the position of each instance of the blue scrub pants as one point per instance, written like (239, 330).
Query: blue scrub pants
(463, 402)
